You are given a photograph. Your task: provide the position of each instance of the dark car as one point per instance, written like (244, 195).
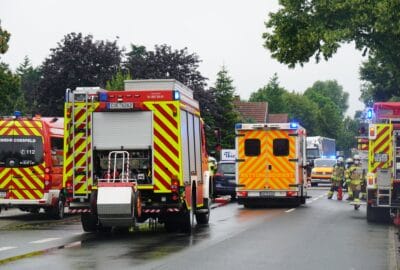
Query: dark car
(224, 179)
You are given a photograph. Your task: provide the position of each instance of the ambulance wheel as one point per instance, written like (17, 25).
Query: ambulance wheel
(89, 222)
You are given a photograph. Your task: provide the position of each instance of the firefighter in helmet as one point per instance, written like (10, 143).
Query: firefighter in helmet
(349, 163)
(357, 176)
(337, 177)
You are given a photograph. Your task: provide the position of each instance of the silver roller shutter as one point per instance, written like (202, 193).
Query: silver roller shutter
(130, 130)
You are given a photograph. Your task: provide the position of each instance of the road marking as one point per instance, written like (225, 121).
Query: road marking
(290, 210)
(309, 202)
(315, 199)
(44, 240)
(6, 248)
(321, 196)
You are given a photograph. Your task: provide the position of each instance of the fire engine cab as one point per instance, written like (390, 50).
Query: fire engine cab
(136, 154)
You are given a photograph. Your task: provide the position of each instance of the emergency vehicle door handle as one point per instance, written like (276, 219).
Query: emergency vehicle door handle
(269, 167)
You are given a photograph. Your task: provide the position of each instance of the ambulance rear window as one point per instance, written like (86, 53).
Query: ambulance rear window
(281, 147)
(252, 147)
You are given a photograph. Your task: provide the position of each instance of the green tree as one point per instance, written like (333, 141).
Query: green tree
(30, 78)
(117, 81)
(10, 93)
(301, 29)
(224, 93)
(382, 81)
(271, 93)
(331, 90)
(303, 111)
(347, 136)
(4, 39)
(77, 61)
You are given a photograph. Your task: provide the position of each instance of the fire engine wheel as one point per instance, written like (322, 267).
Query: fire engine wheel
(187, 222)
(57, 211)
(137, 205)
(89, 222)
(378, 214)
(204, 216)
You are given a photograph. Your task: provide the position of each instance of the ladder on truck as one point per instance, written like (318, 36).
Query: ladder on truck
(80, 133)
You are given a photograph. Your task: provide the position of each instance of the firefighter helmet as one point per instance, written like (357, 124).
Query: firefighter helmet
(340, 161)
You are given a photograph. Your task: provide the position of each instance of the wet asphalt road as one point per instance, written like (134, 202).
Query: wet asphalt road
(322, 234)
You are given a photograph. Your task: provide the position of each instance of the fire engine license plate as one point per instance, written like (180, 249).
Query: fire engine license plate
(267, 194)
(3, 193)
(119, 105)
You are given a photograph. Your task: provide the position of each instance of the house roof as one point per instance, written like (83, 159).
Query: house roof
(256, 111)
(278, 118)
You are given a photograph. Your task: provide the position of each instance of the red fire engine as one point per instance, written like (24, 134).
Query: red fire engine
(136, 154)
(31, 164)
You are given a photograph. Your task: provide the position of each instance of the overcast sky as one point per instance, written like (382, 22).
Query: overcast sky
(220, 32)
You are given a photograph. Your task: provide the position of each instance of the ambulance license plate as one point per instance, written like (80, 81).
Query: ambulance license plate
(3, 194)
(267, 194)
(120, 105)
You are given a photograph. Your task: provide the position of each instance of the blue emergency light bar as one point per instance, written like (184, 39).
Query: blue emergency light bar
(369, 113)
(17, 114)
(294, 125)
(103, 96)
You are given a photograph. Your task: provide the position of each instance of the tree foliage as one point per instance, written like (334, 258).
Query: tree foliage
(4, 39)
(382, 81)
(10, 94)
(117, 81)
(227, 117)
(77, 61)
(301, 29)
(167, 63)
(271, 93)
(323, 91)
(30, 78)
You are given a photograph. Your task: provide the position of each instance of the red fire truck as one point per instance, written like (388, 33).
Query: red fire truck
(31, 164)
(136, 154)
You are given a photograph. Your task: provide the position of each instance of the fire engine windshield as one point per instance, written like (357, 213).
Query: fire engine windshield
(20, 151)
(312, 153)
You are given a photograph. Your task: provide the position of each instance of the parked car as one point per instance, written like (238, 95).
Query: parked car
(224, 179)
(322, 171)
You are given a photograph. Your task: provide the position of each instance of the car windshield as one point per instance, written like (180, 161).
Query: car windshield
(312, 153)
(20, 151)
(226, 168)
(324, 162)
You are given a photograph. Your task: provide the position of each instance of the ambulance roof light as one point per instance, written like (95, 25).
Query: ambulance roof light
(294, 125)
(238, 126)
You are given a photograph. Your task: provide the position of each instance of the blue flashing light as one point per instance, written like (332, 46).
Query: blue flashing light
(333, 157)
(369, 113)
(294, 125)
(103, 96)
(238, 126)
(177, 95)
(17, 114)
